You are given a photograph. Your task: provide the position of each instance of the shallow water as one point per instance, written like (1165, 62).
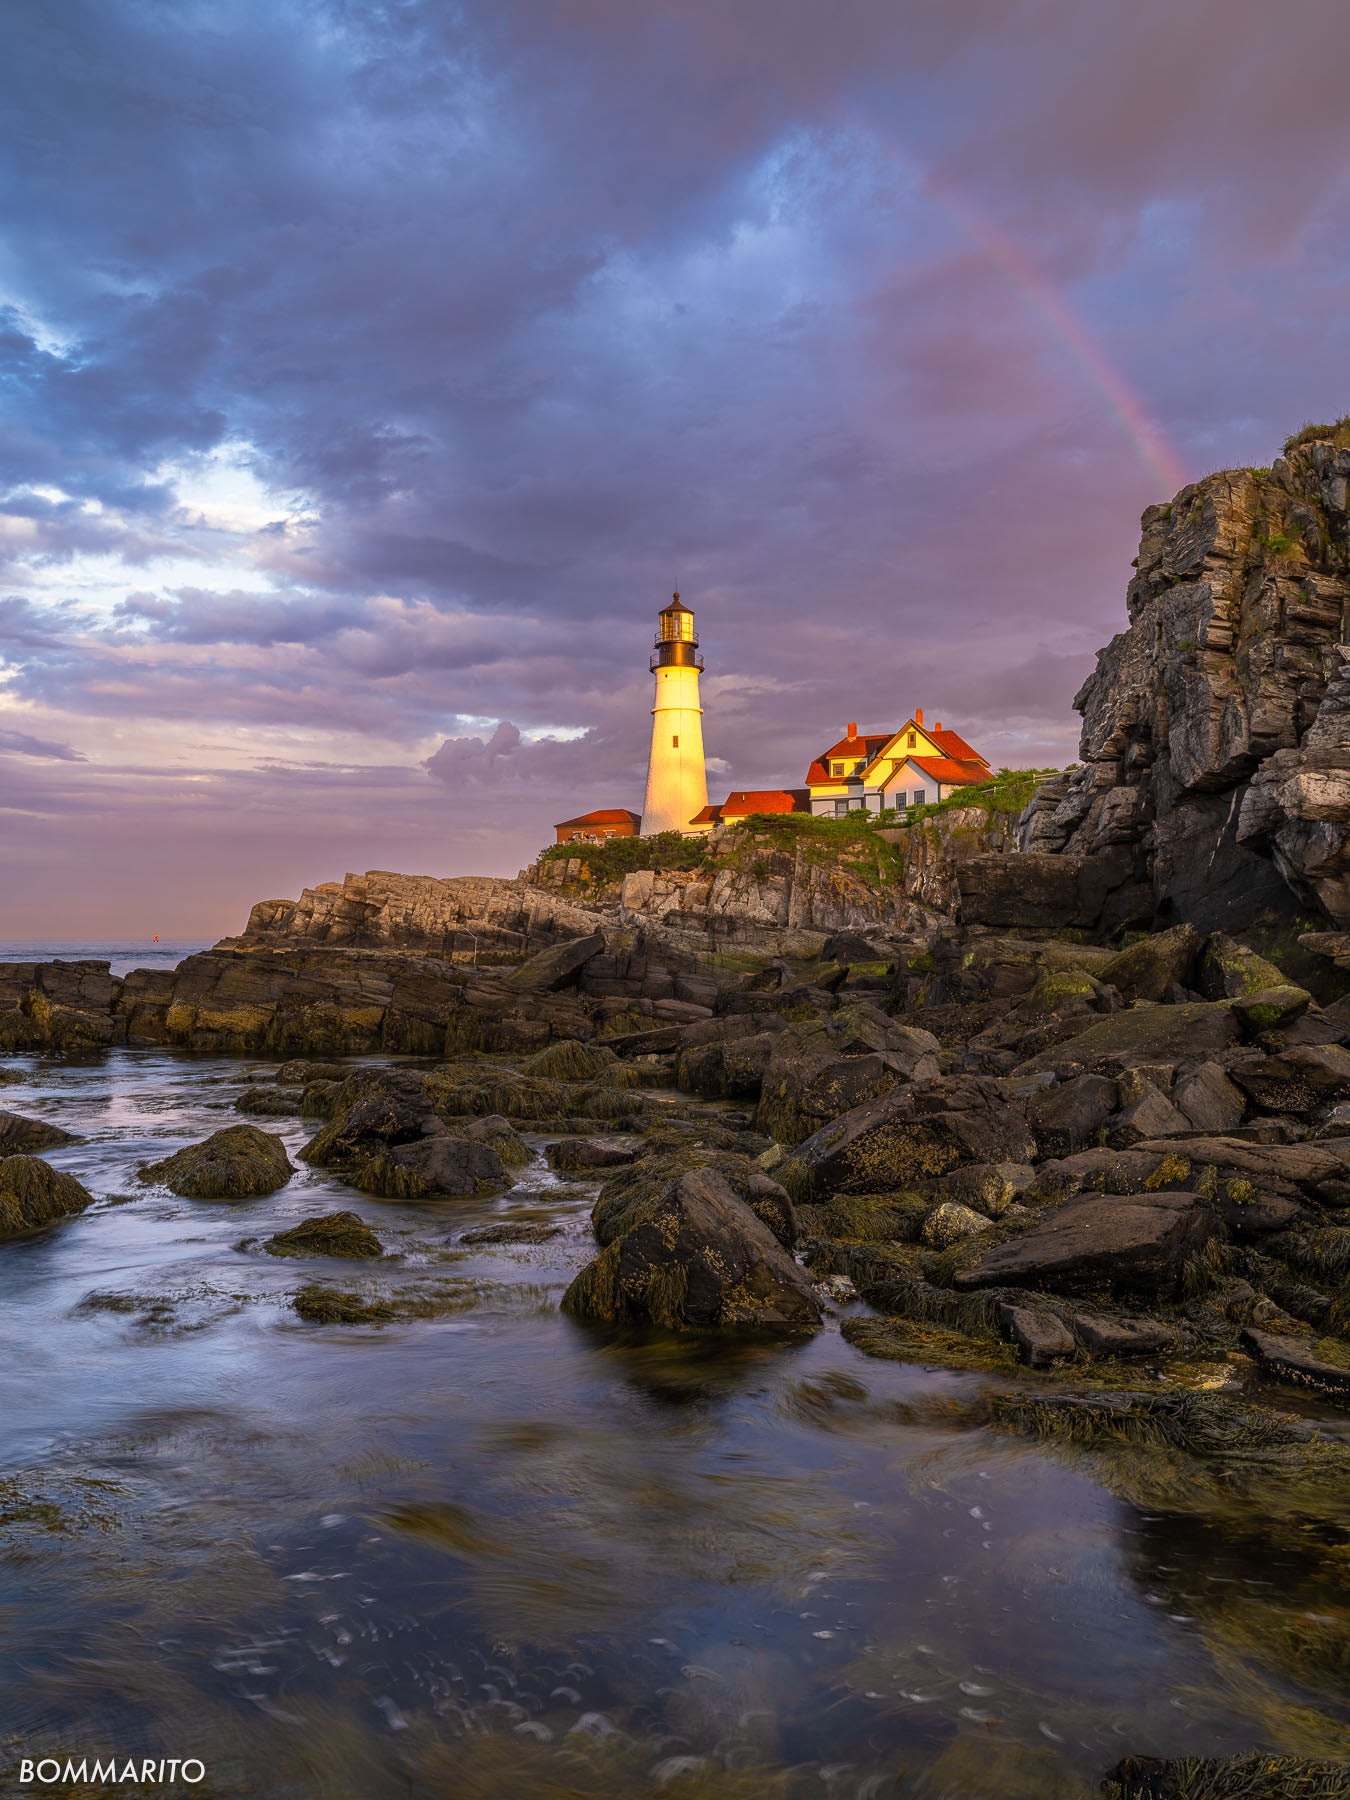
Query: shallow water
(491, 1553)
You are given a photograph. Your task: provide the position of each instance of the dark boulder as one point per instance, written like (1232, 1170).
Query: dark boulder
(627, 1192)
(1209, 1099)
(695, 1258)
(442, 1166)
(1136, 1243)
(582, 1156)
(910, 1136)
(1145, 1034)
(269, 1103)
(234, 1164)
(300, 1072)
(33, 1193)
(1068, 1117)
(20, 1136)
(559, 965)
(332, 1234)
(1101, 1335)
(1150, 969)
(1041, 1336)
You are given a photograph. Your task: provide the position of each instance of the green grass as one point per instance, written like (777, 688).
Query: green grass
(1279, 543)
(618, 857)
(1338, 434)
(1008, 792)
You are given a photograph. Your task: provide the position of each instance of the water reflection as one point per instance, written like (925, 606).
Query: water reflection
(490, 1552)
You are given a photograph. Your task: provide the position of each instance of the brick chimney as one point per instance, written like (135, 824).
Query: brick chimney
(918, 715)
(937, 725)
(852, 731)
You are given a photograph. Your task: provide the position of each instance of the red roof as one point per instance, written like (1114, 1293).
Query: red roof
(954, 745)
(745, 801)
(950, 772)
(609, 815)
(864, 747)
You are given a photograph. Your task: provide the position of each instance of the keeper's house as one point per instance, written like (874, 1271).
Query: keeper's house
(744, 802)
(599, 827)
(915, 766)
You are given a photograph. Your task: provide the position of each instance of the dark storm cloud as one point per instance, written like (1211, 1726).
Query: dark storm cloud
(523, 314)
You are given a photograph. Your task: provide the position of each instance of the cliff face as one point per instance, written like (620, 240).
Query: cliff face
(1215, 778)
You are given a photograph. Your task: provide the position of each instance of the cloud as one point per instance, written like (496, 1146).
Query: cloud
(20, 743)
(371, 370)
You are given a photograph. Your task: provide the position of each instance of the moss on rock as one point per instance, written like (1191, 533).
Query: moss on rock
(332, 1234)
(32, 1194)
(234, 1164)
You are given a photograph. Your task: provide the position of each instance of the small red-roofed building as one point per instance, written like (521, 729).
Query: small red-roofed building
(915, 766)
(745, 802)
(597, 827)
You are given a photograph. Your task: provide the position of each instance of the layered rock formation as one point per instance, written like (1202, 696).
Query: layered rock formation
(1215, 777)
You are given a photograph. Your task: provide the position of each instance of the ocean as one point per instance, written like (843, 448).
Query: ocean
(123, 953)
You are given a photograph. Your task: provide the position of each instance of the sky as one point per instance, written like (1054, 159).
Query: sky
(371, 373)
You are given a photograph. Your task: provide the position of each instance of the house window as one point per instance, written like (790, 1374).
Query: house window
(841, 809)
(899, 798)
(920, 797)
(675, 743)
(836, 768)
(913, 740)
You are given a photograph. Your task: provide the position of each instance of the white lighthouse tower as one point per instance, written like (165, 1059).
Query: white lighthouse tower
(677, 783)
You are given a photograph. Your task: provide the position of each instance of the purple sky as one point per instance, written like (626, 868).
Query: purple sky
(372, 373)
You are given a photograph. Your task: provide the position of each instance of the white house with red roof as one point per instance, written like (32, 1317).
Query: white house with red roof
(915, 766)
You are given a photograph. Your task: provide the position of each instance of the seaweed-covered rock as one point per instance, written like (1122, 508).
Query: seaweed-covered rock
(1256, 1776)
(20, 1136)
(582, 1156)
(1296, 1360)
(234, 1164)
(269, 1103)
(33, 1193)
(300, 1072)
(570, 1060)
(629, 1190)
(1149, 969)
(695, 1258)
(1137, 1243)
(332, 1234)
(1144, 1034)
(952, 1223)
(1229, 969)
(910, 1136)
(442, 1166)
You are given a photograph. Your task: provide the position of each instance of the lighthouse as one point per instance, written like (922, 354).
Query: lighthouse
(677, 784)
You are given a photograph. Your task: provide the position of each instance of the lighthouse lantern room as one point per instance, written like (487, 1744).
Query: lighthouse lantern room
(677, 783)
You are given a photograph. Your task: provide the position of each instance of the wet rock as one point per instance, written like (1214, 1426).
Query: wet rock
(526, 1232)
(1135, 1243)
(332, 1234)
(580, 1156)
(1209, 1100)
(1321, 1169)
(234, 1164)
(1229, 969)
(33, 1193)
(1258, 1215)
(443, 1166)
(20, 1136)
(1295, 1360)
(569, 1060)
(628, 1191)
(1271, 1008)
(695, 1258)
(267, 1102)
(852, 947)
(1069, 1116)
(559, 965)
(1145, 1034)
(1150, 969)
(951, 1223)
(1152, 1115)
(988, 1188)
(299, 1072)
(1042, 1337)
(731, 1067)
(1103, 1335)
(910, 1136)
(319, 1304)
(1101, 1171)
(1257, 1776)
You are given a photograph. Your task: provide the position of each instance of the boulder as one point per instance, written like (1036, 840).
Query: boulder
(951, 1223)
(1320, 1169)
(581, 1156)
(695, 1258)
(1144, 1034)
(332, 1234)
(443, 1166)
(986, 1188)
(33, 1193)
(559, 965)
(730, 1068)
(20, 1136)
(1150, 969)
(1041, 1336)
(1228, 969)
(570, 1060)
(1295, 1360)
(299, 1072)
(1101, 1335)
(1068, 1116)
(910, 1136)
(1152, 1115)
(1136, 1243)
(269, 1103)
(1269, 1009)
(629, 1191)
(1209, 1100)
(234, 1164)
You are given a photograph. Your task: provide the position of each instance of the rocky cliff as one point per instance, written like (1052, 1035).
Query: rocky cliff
(1215, 777)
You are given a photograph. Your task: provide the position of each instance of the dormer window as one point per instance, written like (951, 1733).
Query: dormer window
(913, 740)
(838, 768)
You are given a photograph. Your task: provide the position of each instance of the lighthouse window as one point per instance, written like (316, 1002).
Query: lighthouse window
(675, 743)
